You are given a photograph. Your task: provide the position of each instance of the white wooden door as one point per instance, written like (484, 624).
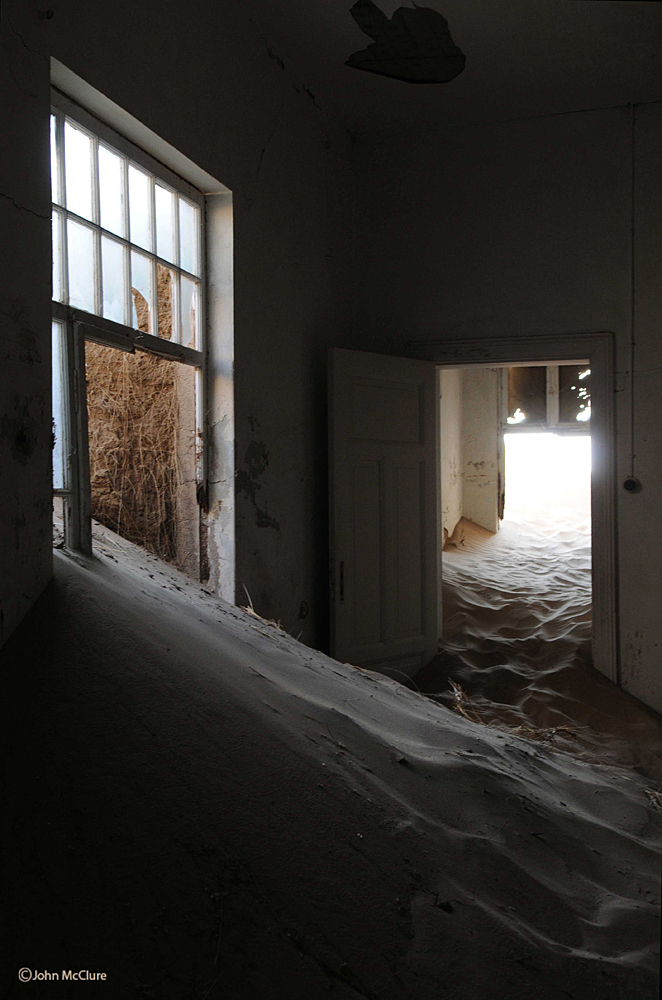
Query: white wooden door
(384, 466)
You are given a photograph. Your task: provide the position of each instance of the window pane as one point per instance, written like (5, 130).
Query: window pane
(189, 299)
(527, 395)
(574, 393)
(110, 191)
(54, 185)
(188, 236)
(165, 243)
(59, 450)
(165, 284)
(112, 273)
(78, 170)
(141, 292)
(56, 236)
(139, 208)
(80, 241)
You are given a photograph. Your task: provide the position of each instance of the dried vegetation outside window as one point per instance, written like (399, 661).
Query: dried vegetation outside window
(142, 443)
(133, 419)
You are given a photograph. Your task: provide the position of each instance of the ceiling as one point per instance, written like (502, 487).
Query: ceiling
(523, 58)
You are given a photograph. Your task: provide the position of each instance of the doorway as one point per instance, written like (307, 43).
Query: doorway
(516, 559)
(385, 487)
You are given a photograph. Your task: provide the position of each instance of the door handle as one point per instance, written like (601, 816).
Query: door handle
(341, 581)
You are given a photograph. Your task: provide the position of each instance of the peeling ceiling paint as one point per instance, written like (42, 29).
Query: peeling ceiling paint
(415, 45)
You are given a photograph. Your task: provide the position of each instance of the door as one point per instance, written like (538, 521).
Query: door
(384, 469)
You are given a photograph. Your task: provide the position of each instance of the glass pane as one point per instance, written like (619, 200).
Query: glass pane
(527, 395)
(165, 285)
(80, 241)
(59, 423)
(139, 208)
(112, 274)
(188, 236)
(78, 170)
(54, 184)
(165, 230)
(110, 191)
(141, 292)
(574, 394)
(189, 299)
(56, 236)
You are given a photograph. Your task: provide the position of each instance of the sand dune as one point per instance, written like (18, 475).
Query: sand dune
(202, 807)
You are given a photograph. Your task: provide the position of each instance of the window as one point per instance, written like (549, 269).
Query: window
(128, 275)
(556, 397)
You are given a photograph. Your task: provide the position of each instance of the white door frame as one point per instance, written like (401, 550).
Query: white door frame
(598, 349)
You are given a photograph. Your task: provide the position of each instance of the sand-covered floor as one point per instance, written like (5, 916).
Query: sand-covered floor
(200, 806)
(517, 620)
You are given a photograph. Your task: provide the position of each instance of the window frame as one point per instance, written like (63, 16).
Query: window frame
(551, 423)
(80, 325)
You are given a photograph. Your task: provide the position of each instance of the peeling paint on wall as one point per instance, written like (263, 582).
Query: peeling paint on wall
(247, 481)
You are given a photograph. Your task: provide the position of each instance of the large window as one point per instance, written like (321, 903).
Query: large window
(128, 358)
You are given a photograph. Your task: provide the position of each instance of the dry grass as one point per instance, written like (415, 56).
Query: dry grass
(133, 415)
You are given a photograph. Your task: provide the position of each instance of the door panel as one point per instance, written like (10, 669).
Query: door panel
(384, 511)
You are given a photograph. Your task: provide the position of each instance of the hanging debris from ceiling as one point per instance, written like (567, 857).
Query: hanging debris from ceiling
(415, 45)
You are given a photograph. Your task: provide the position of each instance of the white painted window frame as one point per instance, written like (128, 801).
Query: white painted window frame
(80, 326)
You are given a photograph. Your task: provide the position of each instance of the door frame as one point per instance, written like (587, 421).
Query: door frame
(597, 348)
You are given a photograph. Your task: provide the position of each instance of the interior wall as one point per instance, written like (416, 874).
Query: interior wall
(480, 432)
(26, 555)
(524, 228)
(450, 421)
(208, 83)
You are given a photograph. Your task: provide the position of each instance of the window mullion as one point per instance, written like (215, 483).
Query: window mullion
(128, 314)
(552, 383)
(176, 290)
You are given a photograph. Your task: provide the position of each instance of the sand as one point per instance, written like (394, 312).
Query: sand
(200, 806)
(517, 620)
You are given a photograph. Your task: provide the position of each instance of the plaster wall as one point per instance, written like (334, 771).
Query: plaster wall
(25, 328)
(524, 228)
(450, 419)
(480, 431)
(212, 87)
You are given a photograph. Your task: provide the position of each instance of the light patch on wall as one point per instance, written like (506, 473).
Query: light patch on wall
(415, 45)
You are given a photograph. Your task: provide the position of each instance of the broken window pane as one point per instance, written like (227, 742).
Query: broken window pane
(80, 241)
(527, 395)
(165, 286)
(139, 208)
(574, 394)
(111, 201)
(188, 236)
(141, 292)
(112, 273)
(165, 223)
(189, 300)
(78, 170)
(141, 430)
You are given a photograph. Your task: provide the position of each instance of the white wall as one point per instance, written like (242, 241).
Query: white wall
(450, 418)
(523, 228)
(469, 432)
(480, 430)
